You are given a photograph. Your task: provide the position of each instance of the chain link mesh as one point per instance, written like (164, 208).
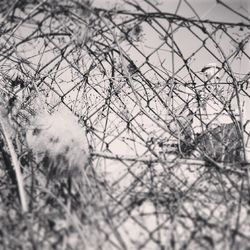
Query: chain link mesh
(163, 98)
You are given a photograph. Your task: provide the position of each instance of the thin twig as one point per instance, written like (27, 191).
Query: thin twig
(16, 166)
(179, 161)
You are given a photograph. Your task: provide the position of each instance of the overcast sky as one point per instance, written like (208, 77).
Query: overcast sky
(206, 9)
(203, 9)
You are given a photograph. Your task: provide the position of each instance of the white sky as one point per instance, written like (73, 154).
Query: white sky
(204, 9)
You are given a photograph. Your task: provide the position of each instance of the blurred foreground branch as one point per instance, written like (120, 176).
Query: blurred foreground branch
(16, 165)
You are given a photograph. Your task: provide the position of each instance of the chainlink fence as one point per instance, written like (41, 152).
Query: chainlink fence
(163, 98)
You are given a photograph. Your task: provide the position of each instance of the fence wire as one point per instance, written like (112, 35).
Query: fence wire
(163, 98)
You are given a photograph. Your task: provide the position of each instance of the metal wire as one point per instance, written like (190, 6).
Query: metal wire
(167, 139)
